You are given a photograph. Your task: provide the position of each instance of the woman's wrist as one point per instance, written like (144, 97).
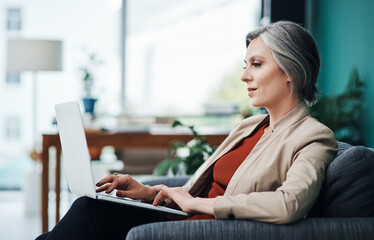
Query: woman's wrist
(203, 205)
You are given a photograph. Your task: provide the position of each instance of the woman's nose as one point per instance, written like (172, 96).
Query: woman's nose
(246, 76)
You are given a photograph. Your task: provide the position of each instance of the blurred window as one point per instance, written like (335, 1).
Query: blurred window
(13, 78)
(12, 128)
(14, 19)
(179, 52)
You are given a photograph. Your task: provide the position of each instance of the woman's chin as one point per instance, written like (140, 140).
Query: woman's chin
(255, 104)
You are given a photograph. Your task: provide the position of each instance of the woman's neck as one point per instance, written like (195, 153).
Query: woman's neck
(277, 113)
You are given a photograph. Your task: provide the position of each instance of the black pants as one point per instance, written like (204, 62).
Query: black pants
(96, 219)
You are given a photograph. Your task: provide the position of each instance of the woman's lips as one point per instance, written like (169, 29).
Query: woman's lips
(251, 91)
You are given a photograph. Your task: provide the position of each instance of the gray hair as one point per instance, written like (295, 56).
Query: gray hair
(296, 53)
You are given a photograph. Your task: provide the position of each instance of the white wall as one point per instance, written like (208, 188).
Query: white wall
(91, 24)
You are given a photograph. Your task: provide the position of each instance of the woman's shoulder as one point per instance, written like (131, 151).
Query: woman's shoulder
(316, 126)
(311, 130)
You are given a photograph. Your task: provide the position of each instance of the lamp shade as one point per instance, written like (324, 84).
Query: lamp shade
(34, 55)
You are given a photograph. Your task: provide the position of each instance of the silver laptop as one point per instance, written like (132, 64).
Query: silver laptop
(77, 160)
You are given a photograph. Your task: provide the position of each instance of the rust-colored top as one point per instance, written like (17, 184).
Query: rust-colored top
(226, 166)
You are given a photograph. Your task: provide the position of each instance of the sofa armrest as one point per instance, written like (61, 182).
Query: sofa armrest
(309, 228)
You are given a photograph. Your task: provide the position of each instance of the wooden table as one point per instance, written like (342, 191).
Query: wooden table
(119, 140)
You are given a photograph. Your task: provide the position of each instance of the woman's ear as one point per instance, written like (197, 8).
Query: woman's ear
(288, 79)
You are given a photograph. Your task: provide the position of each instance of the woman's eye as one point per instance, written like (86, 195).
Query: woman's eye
(256, 64)
(245, 66)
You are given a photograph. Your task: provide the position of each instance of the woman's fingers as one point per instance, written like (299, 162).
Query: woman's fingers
(112, 186)
(179, 195)
(128, 194)
(161, 195)
(108, 188)
(111, 183)
(107, 179)
(100, 189)
(115, 181)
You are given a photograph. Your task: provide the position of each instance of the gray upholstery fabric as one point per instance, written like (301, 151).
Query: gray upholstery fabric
(168, 181)
(348, 190)
(342, 146)
(309, 228)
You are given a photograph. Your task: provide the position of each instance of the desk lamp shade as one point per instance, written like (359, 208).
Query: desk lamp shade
(34, 55)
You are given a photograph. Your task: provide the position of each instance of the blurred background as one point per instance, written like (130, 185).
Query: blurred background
(146, 63)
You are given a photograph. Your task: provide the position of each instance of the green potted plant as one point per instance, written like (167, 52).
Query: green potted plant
(185, 158)
(343, 113)
(87, 72)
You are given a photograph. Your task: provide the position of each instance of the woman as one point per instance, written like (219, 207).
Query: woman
(270, 168)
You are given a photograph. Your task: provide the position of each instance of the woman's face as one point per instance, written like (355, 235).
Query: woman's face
(268, 86)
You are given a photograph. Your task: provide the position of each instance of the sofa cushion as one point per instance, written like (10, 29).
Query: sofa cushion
(348, 190)
(306, 229)
(342, 147)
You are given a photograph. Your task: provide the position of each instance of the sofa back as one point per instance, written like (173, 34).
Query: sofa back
(348, 190)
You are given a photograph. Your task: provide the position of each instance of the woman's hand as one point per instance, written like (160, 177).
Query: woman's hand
(183, 199)
(126, 187)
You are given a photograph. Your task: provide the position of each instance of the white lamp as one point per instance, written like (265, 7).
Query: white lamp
(34, 55)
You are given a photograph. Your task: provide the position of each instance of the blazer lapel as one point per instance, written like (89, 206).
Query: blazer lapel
(205, 172)
(295, 115)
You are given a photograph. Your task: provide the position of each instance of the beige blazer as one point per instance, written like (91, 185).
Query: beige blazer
(281, 178)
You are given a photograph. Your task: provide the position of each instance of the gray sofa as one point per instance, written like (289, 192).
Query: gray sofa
(344, 209)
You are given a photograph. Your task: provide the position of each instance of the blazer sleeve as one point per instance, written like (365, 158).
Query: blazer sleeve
(293, 199)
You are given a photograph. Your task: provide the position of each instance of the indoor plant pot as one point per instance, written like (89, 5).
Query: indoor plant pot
(89, 105)
(87, 73)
